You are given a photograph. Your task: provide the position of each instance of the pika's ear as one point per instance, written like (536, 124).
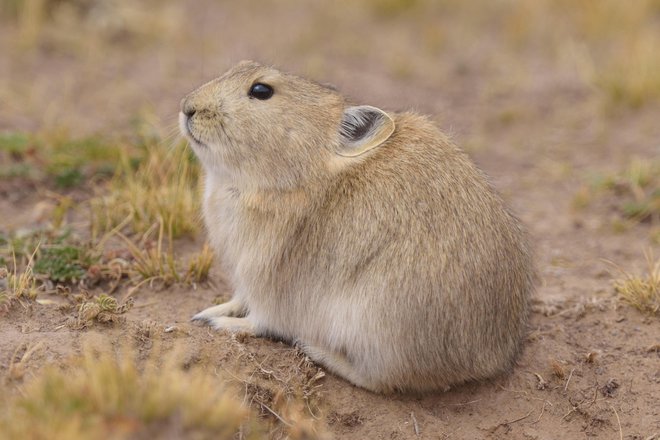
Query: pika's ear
(363, 128)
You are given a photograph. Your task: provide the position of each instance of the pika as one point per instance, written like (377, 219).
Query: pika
(365, 237)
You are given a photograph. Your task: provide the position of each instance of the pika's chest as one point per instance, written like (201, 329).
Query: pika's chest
(248, 241)
(220, 209)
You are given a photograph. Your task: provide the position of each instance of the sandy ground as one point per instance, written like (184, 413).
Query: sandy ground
(591, 365)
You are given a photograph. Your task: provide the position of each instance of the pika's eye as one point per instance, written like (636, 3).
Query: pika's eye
(261, 91)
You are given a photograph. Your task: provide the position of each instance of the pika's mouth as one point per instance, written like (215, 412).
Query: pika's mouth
(184, 126)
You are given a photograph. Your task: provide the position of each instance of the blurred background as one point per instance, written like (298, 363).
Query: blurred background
(479, 66)
(545, 92)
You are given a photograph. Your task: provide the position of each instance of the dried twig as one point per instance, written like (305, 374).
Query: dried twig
(569, 379)
(263, 405)
(415, 425)
(618, 420)
(542, 411)
(464, 403)
(519, 418)
(505, 423)
(577, 406)
(526, 395)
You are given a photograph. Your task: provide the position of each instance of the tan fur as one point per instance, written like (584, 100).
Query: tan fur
(399, 269)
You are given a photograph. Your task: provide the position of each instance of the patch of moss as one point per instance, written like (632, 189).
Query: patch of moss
(63, 263)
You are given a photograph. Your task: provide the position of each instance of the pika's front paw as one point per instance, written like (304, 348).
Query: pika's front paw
(230, 308)
(232, 325)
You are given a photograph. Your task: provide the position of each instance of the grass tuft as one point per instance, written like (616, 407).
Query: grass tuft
(152, 263)
(109, 396)
(15, 286)
(156, 263)
(163, 189)
(641, 291)
(200, 265)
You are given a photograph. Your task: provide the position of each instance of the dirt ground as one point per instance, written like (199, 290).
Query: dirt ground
(524, 112)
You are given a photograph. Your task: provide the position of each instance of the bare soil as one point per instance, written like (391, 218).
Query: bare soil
(591, 365)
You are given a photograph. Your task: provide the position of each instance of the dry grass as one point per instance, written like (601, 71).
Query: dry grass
(15, 285)
(152, 263)
(641, 291)
(109, 393)
(156, 263)
(102, 395)
(557, 369)
(200, 265)
(163, 189)
(157, 193)
(19, 361)
(288, 400)
(154, 187)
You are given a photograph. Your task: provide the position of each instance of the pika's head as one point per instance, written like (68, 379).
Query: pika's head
(277, 130)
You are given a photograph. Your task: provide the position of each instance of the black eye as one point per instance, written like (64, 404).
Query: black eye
(261, 91)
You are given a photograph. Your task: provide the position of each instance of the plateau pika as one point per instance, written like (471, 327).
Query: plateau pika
(366, 237)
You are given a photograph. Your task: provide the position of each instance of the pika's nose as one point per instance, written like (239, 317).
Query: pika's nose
(187, 107)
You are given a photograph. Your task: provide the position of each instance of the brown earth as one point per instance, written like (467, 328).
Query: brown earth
(591, 365)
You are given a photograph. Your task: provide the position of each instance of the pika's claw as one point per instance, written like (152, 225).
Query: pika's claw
(199, 318)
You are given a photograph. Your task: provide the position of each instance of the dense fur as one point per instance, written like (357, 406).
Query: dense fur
(399, 269)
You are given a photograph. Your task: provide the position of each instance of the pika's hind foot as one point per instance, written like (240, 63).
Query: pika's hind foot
(233, 308)
(341, 366)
